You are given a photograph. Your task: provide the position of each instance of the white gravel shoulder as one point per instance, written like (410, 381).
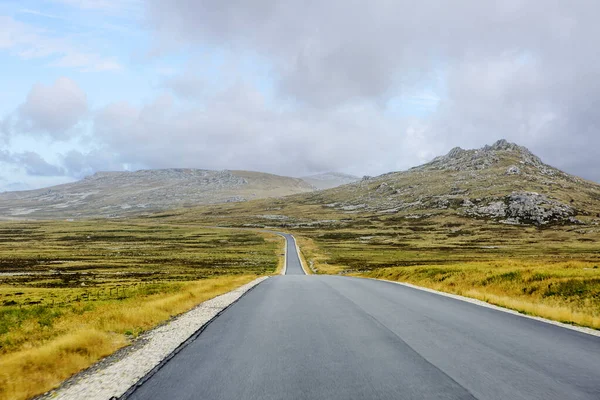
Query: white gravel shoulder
(481, 303)
(103, 382)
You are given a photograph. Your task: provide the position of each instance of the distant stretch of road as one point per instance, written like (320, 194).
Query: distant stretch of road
(331, 337)
(293, 265)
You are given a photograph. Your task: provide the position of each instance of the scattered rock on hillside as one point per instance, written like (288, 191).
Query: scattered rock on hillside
(463, 160)
(116, 194)
(513, 170)
(523, 208)
(503, 182)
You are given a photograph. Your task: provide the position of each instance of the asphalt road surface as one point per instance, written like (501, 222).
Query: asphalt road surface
(293, 266)
(330, 337)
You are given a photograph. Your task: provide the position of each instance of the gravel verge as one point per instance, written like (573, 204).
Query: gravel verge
(113, 376)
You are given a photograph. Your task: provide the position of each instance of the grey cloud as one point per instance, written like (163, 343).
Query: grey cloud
(31, 162)
(323, 52)
(236, 129)
(535, 104)
(331, 52)
(34, 164)
(78, 164)
(525, 70)
(187, 86)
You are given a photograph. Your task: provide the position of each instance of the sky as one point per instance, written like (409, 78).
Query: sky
(292, 88)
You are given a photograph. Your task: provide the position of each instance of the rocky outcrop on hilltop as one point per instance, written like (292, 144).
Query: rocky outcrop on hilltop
(462, 160)
(522, 208)
(503, 182)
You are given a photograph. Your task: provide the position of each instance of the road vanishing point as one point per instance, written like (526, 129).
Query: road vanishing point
(301, 336)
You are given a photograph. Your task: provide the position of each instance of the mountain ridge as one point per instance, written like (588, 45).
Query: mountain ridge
(504, 182)
(122, 193)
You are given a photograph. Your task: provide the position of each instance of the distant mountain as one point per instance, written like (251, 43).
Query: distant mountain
(330, 180)
(503, 182)
(113, 194)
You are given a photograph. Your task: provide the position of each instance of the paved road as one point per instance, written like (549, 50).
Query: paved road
(293, 266)
(330, 337)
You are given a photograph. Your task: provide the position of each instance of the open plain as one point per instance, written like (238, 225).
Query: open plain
(74, 292)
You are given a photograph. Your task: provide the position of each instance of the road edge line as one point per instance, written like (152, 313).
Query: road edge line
(481, 303)
(285, 251)
(282, 234)
(98, 380)
(183, 345)
(299, 256)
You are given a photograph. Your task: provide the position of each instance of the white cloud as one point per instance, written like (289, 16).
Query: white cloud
(298, 87)
(52, 110)
(524, 70)
(237, 129)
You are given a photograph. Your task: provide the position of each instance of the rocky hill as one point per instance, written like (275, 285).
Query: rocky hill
(330, 180)
(112, 194)
(502, 182)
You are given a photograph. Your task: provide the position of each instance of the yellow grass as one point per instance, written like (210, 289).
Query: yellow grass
(307, 265)
(269, 237)
(313, 258)
(561, 291)
(83, 339)
(553, 312)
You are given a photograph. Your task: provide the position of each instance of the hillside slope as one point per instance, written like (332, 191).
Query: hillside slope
(504, 182)
(111, 194)
(495, 224)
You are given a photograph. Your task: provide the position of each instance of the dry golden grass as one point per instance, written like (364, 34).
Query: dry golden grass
(30, 372)
(79, 340)
(74, 292)
(565, 291)
(307, 266)
(528, 306)
(311, 256)
(269, 237)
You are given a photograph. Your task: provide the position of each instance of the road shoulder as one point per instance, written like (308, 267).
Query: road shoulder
(114, 376)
